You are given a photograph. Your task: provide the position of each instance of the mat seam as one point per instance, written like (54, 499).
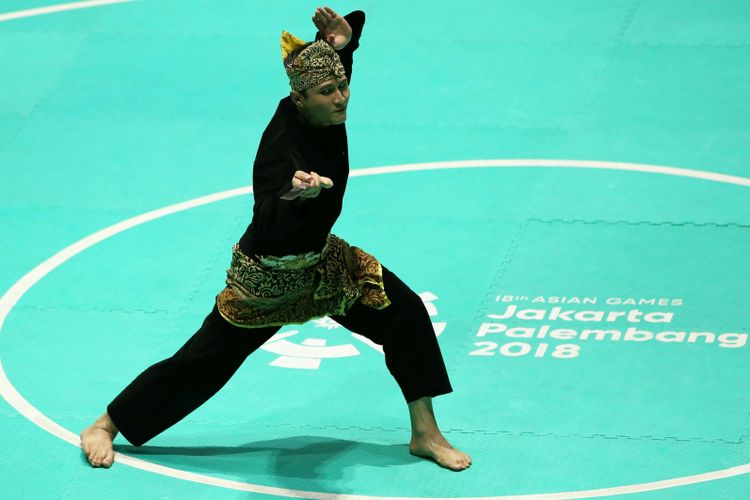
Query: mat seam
(640, 222)
(504, 265)
(486, 432)
(598, 77)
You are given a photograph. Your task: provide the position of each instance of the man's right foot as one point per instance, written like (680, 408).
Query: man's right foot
(438, 449)
(96, 442)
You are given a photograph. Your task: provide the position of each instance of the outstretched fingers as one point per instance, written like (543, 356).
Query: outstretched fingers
(325, 19)
(331, 14)
(318, 23)
(326, 14)
(321, 19)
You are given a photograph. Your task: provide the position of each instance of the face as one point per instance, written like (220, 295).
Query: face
(324, 104)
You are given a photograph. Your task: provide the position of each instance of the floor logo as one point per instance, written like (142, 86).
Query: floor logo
(309, 353)
(517, 329)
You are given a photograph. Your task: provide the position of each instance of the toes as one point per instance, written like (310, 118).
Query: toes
(99, 458)
(459, 465)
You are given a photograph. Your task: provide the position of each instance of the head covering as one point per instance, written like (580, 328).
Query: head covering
(315, 64)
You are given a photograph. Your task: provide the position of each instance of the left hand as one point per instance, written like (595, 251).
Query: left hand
(314, 183)
(306, 185)
(334, 28)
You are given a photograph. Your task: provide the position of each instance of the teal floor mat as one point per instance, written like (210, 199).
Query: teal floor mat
(566, 185)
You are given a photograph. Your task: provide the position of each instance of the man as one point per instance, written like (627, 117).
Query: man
(288, 268)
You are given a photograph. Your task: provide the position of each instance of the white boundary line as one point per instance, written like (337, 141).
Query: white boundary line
(14, 294)
(531, 163)
(40, 11)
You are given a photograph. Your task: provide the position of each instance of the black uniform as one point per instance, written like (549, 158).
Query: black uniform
(169, 390)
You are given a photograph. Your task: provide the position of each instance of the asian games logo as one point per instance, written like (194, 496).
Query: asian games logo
(309, 353)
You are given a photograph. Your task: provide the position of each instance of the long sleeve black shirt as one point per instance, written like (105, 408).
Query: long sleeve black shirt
(288, 144)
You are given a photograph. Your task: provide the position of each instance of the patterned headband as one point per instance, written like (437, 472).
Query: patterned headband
(317, 63)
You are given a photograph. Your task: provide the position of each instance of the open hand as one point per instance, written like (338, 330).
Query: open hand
(306, 185)
(334, 28)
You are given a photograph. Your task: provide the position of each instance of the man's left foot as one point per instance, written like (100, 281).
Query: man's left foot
(441, 451)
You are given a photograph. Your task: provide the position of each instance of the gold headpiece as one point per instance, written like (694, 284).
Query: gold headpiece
(317, 62)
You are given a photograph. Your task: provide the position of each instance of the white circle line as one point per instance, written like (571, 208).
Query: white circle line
(14, 294)
(546, 163)
(52, 9)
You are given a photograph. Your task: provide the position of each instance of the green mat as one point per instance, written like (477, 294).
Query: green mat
(583, 253)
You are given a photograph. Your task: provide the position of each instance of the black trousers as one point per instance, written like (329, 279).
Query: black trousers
(169, 390)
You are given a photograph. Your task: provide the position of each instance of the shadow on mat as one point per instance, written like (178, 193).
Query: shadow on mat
(303, 457)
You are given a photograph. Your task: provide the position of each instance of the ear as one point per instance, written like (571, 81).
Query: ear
(297, 98)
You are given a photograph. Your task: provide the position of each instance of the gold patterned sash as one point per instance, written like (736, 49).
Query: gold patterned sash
(274, 291)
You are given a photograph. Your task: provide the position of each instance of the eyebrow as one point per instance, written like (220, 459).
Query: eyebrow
(335, 84)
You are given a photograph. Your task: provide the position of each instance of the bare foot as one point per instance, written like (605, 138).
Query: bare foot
(440, 450)
(96, 442)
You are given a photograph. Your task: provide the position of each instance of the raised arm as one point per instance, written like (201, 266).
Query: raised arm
(342, 33)
(332, 28)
